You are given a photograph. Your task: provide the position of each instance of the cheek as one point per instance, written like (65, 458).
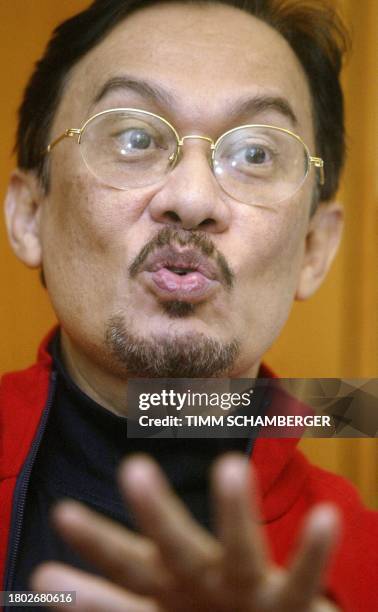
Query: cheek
(273, 244)
(85, 217)
(74, 234)
(86, 230)
(270, 253)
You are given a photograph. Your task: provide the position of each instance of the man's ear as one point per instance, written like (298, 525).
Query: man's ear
(322, 241)
(22, 215)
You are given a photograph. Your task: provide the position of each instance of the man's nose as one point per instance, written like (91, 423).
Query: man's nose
(191, 197)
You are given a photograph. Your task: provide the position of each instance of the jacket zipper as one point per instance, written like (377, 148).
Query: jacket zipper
(22, 488)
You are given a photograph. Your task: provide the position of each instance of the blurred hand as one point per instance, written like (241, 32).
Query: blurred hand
(176, 565)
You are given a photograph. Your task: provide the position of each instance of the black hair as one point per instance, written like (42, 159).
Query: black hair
(312, 28)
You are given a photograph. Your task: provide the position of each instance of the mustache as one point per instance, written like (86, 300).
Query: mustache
(199, 240)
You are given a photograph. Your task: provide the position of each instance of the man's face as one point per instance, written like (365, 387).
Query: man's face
(208, 60)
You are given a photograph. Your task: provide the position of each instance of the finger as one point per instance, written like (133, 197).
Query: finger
(126, 558)
(188, 550)
(93, 594)
(304, 579)
(245, 554)
(324, 605)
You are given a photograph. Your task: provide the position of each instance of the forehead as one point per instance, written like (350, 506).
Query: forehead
(206, 57)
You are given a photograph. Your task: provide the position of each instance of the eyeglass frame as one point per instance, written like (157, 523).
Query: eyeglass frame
(317, 162)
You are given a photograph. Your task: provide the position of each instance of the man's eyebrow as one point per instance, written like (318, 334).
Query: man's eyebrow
(262, 103)
(154, 92)
(142, 87)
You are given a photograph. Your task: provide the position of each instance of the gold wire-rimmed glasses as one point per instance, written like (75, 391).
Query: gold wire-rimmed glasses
(256, 164)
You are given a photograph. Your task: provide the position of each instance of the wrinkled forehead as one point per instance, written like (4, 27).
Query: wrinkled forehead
(200, 61)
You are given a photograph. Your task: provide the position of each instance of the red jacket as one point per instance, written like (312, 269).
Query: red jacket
(289, 484)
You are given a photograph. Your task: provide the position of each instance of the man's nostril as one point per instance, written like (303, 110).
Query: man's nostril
(207, 222)
(172, 216)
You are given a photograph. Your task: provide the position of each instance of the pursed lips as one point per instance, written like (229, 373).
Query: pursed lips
(183, 274)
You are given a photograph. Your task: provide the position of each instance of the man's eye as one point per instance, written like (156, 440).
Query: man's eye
(135, 139)
(256, 155)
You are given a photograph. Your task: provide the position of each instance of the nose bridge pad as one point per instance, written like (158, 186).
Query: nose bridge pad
(175, 157)
(195, 136)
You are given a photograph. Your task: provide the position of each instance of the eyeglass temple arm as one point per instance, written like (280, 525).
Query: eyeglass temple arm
(70, 133)
(319, 163)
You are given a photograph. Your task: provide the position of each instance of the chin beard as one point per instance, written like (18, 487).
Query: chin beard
(189, 355)
(178, 310)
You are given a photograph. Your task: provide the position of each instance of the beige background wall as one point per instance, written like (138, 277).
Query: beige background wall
(333, 335)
